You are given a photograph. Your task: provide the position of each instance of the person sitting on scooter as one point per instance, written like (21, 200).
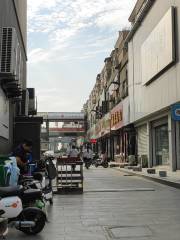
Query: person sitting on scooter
(73, 153)
(103, 156)
(21, 153)
(87, 156)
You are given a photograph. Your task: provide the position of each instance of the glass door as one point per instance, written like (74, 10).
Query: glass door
(162, 145)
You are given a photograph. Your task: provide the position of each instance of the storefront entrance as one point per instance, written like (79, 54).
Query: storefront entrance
(160, 143)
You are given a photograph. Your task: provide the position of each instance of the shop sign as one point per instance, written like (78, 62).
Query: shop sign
(175, 112)
(93, 141)
(117, 117)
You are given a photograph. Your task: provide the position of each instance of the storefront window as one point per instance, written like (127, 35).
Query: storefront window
(162, 145)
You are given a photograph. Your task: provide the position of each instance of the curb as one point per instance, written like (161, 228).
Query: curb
(155, 179)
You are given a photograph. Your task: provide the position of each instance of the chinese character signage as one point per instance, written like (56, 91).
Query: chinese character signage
(117, 117)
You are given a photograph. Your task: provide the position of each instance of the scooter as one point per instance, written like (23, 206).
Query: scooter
(95, 157)
(50, 174)
(87, 162)
(19, 208)
(101, 162)
(42, 180)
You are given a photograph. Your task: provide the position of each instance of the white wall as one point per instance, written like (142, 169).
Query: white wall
(126, 112)
(21, 6)
(163, 91)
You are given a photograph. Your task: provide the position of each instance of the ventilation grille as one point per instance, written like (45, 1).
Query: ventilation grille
(6, 50)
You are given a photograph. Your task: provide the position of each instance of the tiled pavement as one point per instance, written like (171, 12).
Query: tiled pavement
(130, 208)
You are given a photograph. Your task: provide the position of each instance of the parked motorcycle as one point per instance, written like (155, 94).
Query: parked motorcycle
(42, 180)
(50, 174)
(19, 206)
(101, 162)
(95, 157)
(87, 162)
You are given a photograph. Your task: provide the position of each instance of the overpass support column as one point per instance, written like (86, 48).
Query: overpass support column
(47, 130)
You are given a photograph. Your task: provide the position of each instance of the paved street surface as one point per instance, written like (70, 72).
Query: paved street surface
(113, 206)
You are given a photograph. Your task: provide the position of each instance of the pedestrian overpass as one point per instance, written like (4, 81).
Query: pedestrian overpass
(48, 132)
(62, 116)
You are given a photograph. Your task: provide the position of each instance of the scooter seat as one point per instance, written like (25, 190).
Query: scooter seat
(10, 191)
(32, 194)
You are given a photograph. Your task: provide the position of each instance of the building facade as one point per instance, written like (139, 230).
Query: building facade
(138, 90)
(13, 56)
(108, 112)
(154, 86)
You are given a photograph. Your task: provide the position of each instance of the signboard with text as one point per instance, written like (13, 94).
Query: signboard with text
(117, 117)
(175, 112)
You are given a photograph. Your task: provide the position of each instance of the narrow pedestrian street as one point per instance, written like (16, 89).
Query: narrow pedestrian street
(113, 206)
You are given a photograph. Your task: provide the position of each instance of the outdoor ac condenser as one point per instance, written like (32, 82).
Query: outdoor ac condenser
(25, 103)
(9, 52)
(32, 102)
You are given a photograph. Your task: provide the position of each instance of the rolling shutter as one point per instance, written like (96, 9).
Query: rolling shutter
(142, 140)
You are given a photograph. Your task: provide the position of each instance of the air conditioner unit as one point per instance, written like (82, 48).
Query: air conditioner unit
(25, 103)
(32, 102)
(9, 52)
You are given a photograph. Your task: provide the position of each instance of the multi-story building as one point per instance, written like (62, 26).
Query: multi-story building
(108, 106)
(142, 90)
(13, 56)
(154, 86)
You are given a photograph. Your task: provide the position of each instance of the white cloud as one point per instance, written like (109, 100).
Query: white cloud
(64, 19)
(38, 55)
(112, 19)
(64, 32)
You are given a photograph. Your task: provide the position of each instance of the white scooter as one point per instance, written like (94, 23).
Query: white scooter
(17, 207)
(42, 180)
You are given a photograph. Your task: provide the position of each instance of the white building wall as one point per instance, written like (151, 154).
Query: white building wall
(163, 91)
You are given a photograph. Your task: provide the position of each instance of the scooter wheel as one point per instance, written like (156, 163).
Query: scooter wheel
(106, 165)
(38, 217)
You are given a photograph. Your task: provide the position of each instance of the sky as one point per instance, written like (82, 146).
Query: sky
(68, 41)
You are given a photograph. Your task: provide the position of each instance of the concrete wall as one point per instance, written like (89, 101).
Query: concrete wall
(163, 91)
(9, 18)
(21, 6)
